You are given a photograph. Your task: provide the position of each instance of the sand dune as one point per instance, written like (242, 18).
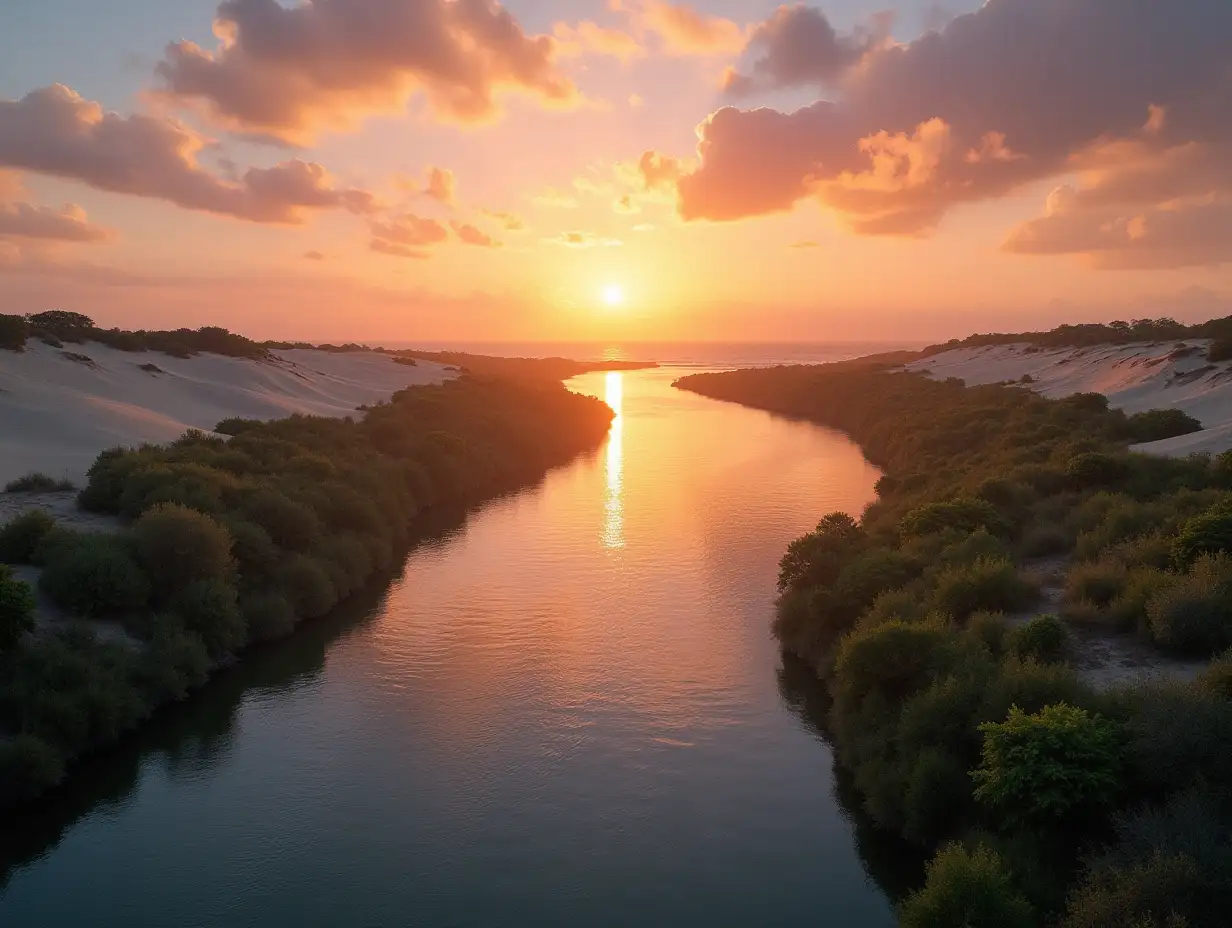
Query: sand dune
(57, 413)
(1135, 378)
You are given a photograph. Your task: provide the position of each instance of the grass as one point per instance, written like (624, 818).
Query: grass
(37, 482)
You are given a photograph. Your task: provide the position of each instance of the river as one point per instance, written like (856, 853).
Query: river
(567, 710)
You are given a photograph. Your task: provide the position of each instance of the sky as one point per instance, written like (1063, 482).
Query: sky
(564, 170)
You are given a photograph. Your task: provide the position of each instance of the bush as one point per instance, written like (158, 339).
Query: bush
(961, 514)
(1151, 893)
(817, 558)
(13, 333)
(1216, 677)
(28, 766)
(1098, 582)
(989, 628)
(290, 524)
(16, 609)
(1220, 350)
(1096, 469)
(268, 617)
(37, 483)
(307, 586)
(987, 585)
(967, 889)
(209, 609)
(893, 660)
(1044, 766)
(1191, 616)
(175, 661)
(92, 575)
(1158, 424)
(256, 555)
(895, 605)
(938, 789)
(1044, 540)
(178, 546)
(1208, 533)
(21, 536)
(1044, 639)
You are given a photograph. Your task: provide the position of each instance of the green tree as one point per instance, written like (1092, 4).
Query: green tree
(1044, 766)
(179, 546)
(967, 889)
(16, 609)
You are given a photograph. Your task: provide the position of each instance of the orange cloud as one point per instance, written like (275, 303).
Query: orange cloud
(584, 240)
(471, 235)
(441, 186)
(68, 224)
(288, 73)
(54, 131)
(683, 29)
(509, 221)
(1004, 96)
(591, 38)
(406, 236)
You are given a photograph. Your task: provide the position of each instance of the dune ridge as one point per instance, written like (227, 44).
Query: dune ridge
(59, 408)
(1135, 377)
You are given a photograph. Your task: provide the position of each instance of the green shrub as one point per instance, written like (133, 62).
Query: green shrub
(972, 548)
(16, 609)
(37, 483)
(1044, 639)
(1032, 686)
(817, 558)
(1129, 610)
(92, 576)
(895, 605)
(256, 555)
(1208, 533)
(1158, 424)
(893, 660)
(1098, 582)
(289, 523)
(28, 767)
(209, 609)
(991, 629)
(938, 791)
(13, 333)
(268, 616)
(967, 889)
(307, 586)
(1151, 893)
(961, 514)
(1192, 616)
(1043, 766)
(175, 661)
(1216, 677)
(986, 585)
(1096, 469)
(20, 536)
(179, 546)
(1220, 350)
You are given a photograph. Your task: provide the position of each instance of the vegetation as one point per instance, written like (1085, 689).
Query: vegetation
(234, 541)
(37, 483)
(1112, 333)
(953, 710)
(16, 609)
(13, 333)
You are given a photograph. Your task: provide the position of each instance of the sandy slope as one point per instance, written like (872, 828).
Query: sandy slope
(57, 414)
(1134, 378)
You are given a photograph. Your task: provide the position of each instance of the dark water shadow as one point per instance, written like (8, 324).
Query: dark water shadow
(194, 735)
(894, 865)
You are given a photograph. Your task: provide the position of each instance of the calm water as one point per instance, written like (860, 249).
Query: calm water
(567, 710)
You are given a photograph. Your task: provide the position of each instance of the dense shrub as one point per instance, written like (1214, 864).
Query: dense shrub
(209, 609)
(1220, 350)
(1096, 469)
(28, 766)
(1151, 893)
(289, 523)
(306, 585)
(16, 609)
(21, 536)
(93, 575)
(1044, 540)
(175, 661)
(971, 889)
(268, 616)
(1208, 533)
(1045, 765)
(1098, 582)
(1216, 677)
(988, 585)
(1192, 616)
(1158, 424)
(13, 333)
(818, 557)
(37, 483)
(178, 546)
(1044, 639)
(961, 514)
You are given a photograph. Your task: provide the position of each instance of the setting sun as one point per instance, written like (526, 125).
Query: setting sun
(613, 295)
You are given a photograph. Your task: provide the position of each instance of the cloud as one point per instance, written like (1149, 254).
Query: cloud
(644, 227)
(626, 205)
(289, 73)
(556, 200)
(54, 131)
(683, 29)
(591, 38)
(471, 235)
(314, 255)
(584, 240)
(441, 186)
(797, 47)
(406, 235)
(68, 224)
(509, 221)
(1131, 94)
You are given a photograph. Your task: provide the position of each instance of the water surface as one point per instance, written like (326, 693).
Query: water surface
(566, 711)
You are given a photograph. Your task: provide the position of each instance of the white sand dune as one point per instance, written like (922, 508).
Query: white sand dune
(57, 414)
(1135, 378)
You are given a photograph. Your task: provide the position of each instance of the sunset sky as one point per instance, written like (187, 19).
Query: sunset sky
(406, 170)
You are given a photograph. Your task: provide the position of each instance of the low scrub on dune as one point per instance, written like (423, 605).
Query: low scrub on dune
(234, 541)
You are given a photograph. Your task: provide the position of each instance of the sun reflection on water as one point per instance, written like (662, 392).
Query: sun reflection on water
(614, 510)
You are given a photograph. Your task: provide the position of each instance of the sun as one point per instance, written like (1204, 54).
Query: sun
(613, 295)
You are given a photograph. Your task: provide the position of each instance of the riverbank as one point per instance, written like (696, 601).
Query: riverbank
(956, 706)
(228, 541)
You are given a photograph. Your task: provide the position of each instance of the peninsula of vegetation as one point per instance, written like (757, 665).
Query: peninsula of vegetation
(963, 625)
(218, 540)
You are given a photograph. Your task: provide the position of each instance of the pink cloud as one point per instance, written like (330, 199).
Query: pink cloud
(68, 224)
(471, 235)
